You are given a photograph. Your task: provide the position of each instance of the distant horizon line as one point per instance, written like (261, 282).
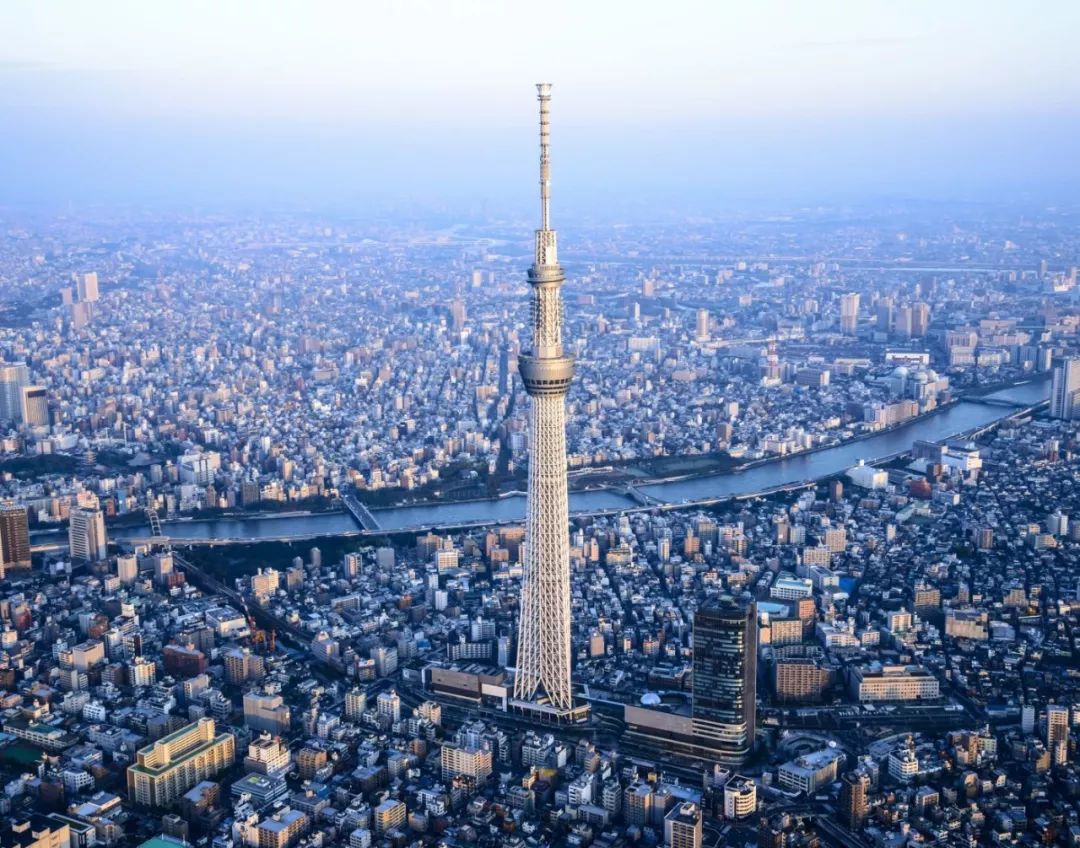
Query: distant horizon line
(489, 210)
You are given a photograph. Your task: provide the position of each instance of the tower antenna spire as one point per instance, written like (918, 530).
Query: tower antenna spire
(543, 94)
(545, 237)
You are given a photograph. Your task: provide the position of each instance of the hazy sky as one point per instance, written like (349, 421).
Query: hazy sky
(389, 100)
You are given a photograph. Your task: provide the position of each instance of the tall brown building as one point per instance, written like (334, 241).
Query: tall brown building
(801, 679)
(806, 610)
(250, 494)
(853, 808)
(920, 319)
(184, 660)
(14, 537)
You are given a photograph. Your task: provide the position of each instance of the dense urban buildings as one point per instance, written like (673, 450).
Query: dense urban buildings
(313, 534)
(871, 649)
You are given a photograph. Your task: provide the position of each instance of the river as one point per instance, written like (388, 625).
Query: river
(960, 418)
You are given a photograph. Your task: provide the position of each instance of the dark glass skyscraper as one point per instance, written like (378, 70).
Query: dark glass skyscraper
(725, 678)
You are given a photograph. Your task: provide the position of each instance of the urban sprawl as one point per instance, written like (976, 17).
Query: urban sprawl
(879, 658)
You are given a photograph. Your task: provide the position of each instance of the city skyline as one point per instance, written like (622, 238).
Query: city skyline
(342, 506)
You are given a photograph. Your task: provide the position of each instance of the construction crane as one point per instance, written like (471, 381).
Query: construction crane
(265, 639)
(260, 638)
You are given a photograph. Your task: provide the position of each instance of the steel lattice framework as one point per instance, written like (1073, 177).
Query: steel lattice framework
(543, 667)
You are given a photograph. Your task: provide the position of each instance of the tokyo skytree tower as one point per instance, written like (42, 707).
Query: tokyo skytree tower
(543, 664)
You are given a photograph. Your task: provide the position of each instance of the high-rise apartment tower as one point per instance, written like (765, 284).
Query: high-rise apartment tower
(849, 313)
(88, 287)
(725, 679)
(86, 535)
(1065, 389)
(35, 406)
(853, 806)
(13, 377)
(14, 537)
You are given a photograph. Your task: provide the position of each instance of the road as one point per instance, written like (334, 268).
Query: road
(266, 619)
(360, 512)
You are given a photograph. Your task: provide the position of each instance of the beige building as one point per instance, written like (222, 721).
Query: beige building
(309, 760)
(786, 631)
(142, 672)
(876, 682)
(801, 679)
(281, 829)
(169, 767)
(83, 656)
(740, 797)
(241, 666)
(39, 832)
(355, 704)
(926, 598)
(468, 761)
(265, 583)
(637, 803)
(388, 815)
(268, 755)
(1057, 733)
(836, 539)
(388, 706)
(682, 826)
(810, 772)
(267, 713)
(967, 624)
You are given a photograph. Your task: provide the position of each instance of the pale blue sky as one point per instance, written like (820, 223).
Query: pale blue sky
(342, 102)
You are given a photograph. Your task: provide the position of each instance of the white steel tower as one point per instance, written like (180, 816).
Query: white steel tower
(543, 666)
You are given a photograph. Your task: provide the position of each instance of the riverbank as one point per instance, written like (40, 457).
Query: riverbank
(771, 476)
(620, 479)
(767, 460)
(621, 476)
(244, 515)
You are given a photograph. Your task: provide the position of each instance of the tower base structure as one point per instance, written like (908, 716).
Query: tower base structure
(543, 712)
